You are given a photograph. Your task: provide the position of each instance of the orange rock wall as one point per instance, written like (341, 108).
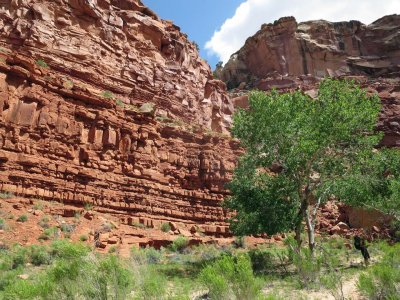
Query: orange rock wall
(73, 75)
(318, 48)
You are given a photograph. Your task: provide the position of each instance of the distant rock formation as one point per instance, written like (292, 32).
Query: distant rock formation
(289, 56)
(317, 48)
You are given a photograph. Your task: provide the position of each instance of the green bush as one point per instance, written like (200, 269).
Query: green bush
(42, 63)
(6, 195)
(119, 102)
(151, 284)
(67, 228)
(22, 218)
(231, 278)
(49, 233)
(145, 256)
(179, 244)
(18, 257)
(83, 238)
(153, 256)
(74, 273)
(3, 224)
(382, 280)
(40, 256)
(44, 222)
(240, 242)
(165, 227)
(108, 95)
(261, 260)
(67, 250)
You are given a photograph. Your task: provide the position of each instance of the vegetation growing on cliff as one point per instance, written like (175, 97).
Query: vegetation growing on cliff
(300, 152)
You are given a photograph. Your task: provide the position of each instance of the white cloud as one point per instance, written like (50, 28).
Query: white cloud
(251, 14)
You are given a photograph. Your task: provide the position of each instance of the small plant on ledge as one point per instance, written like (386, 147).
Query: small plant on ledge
(41, 63)
(119, 102)
(108, 95)
(22, 218)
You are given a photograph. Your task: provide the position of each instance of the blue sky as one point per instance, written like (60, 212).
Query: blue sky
(220, 27)
(197, 18)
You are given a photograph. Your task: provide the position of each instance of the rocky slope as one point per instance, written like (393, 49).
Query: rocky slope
(317, 48)
(96, 98)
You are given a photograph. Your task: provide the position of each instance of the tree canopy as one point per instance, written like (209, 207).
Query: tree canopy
(302, 151)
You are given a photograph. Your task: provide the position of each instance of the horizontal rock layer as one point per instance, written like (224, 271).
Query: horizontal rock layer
(318, 48)
(102, 103)
(122, 47)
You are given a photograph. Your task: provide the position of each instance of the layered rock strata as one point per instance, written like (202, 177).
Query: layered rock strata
(317, 48)
(102, 103)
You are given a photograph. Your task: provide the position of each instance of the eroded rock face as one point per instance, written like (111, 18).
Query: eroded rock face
(120, 46)
(86, 88)
(290, 56)
(318, 48)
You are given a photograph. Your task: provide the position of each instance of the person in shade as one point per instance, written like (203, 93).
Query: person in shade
(359, 244)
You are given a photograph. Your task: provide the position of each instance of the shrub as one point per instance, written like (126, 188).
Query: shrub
(6, 195)
(231, 278)
(165, 227)
(42, 63)
(240, 242)
(74, 274)
(151, 284)
(68, 84)
(22, 218)
(308, 269)
(108, 95)
(153, 256)
(39, 255)
(382, 280)
(145, 256)
(68, 250)
(179, 244)
(107, 227)
(67, 228)
(3, 224)
(88, 206)
(138, 225)
(261, 260)
(119, 102)
(113, 249)
(83, 238)
(113, 279)
(49, 233)
(196, 46)
(18, 257)
(44, 222)
(38, 205)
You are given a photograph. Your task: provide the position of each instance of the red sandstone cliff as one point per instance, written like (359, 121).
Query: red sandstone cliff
(103, 103)
(74, 75)
(318, 48)
(288, 55)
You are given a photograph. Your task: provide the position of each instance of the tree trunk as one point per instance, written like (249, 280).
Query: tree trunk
(298, 235)
(310, 232)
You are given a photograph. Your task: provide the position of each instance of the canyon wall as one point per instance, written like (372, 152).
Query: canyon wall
(103, 103)
(317, 48)
(288, 56)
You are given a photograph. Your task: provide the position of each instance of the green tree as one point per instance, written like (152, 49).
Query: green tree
(300, 152)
